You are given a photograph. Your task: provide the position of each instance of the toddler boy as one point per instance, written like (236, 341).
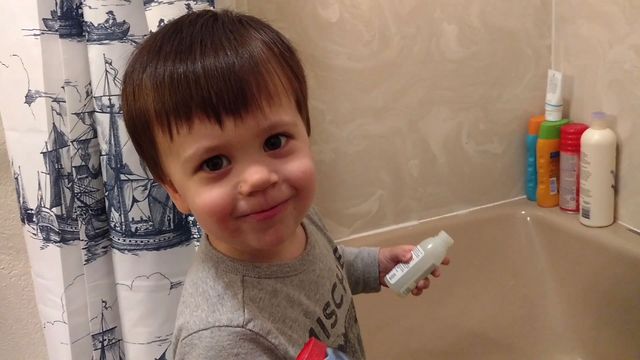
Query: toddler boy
(215, 103)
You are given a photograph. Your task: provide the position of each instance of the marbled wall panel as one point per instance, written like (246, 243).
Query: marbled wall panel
(419, 107)
(597, 47)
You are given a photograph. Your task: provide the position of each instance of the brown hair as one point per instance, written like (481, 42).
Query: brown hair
(208, 63)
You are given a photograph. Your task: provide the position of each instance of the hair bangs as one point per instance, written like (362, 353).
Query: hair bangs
(247, 77)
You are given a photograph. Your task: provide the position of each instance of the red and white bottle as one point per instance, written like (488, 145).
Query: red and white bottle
(570, 166)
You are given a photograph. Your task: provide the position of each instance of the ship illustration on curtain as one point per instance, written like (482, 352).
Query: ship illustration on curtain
(109, 30)
(89, 193)
(211, 3)
(106, 341)
(66, 19)
(54, 213)
(26, 212)
(141, 214)
(71, 201)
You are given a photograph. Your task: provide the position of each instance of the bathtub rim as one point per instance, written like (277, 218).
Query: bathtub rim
(618, 236)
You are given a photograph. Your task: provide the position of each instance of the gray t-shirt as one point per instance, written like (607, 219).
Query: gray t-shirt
(237, 310)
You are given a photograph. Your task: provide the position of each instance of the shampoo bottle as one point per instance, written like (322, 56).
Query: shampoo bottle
(548, 156)
(597, 173)
(532, 143)
(426, 257)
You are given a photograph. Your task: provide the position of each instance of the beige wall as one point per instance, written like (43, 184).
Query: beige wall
(597, 46)
(20, 329)
(419, 108)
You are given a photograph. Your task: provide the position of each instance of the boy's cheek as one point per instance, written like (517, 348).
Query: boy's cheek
(303, 177)
(213, 205)
(303, 171)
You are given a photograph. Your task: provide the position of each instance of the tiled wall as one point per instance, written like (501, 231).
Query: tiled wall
(419, 107)
(597, 47)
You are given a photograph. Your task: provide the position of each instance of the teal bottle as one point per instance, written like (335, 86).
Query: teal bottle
(531, 185)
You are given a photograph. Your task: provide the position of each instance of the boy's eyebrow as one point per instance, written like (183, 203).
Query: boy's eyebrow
(277, 123)
(197, 152)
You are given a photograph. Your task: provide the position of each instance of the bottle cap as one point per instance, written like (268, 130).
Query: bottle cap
(534, 124)
(553, 112)
(445, 238)
(550, 130)
(598, 120)
(570, 135)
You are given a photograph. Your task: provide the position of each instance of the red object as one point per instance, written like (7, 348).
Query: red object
(570, 135)
(314, 349)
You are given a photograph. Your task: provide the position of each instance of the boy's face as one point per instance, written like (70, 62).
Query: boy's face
(249, 185)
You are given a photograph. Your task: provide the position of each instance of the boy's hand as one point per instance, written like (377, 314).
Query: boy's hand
(389, 257)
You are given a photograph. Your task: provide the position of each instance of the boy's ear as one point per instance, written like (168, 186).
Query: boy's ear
(175, 196)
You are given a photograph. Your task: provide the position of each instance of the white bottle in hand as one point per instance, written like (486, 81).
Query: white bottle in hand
(426, 257)
(597, 173)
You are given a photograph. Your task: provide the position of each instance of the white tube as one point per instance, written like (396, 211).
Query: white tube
(553, 101)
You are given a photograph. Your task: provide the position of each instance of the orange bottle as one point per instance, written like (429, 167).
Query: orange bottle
(548, 162)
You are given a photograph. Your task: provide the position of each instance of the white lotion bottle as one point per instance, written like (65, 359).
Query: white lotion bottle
(426, 257)
(597, 173)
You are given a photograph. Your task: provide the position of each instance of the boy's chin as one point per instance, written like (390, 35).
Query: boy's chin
(273, 240)
(280, 243)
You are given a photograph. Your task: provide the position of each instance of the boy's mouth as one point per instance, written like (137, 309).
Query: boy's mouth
(267, 212)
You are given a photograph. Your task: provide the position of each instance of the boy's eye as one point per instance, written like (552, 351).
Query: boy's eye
(275, 142)
(216, 163)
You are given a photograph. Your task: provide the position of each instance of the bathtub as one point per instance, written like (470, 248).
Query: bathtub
(524, 283)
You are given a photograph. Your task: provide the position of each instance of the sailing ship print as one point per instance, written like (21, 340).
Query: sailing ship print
(109, 30)
(66, 19)
(106, 342)
(141, 214)
(26, 212)
(71, 206)
(211, 3)
(163, 356)
(90, 208)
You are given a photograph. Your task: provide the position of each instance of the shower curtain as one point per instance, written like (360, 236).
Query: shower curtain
(108, 250)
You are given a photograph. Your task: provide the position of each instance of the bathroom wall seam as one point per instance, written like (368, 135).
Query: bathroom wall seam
(553, 34)
(629, 227)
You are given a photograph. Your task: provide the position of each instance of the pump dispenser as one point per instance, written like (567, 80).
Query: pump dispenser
(426, 257)
(597, 173)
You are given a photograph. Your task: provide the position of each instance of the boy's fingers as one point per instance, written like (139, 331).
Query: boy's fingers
(416, 292)
(423, 284)
(446, 260)
(407, 256)
(436, 272)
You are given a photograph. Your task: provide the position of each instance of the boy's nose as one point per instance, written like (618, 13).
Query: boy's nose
(256, 179)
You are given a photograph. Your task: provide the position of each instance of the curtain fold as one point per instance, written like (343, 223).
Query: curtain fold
(108, 250)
